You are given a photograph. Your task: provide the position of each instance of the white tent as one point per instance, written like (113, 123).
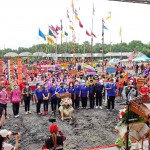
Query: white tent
(11, 54)
(25, 54)
(42, 54)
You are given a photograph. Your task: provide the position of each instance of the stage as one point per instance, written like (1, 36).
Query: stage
(114, 147)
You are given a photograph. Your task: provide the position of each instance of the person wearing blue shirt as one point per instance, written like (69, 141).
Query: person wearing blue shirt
(84, 94)
(39, 98)
(60, 90)
(92, 94)
(111, 93)
(45, 94)
(71, 90)
(77, 92)
(53, 98)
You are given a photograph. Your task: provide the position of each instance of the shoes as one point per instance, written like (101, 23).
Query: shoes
(100, 107)
(26, 112)
(17, 116)
(29, 112)
(39, 113)
(96, 107)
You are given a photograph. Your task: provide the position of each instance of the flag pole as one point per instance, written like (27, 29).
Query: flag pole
(56, 50)
(92, 36)
(121, 47)
(120, 33)
(102, 46)
(92, 43)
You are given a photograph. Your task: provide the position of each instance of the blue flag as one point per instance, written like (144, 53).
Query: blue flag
(104, 27)
(42, 35)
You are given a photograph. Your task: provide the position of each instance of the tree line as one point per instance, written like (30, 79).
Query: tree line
(83, 48)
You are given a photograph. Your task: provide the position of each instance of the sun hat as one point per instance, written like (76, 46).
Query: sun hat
(53, 128)
(4, 133)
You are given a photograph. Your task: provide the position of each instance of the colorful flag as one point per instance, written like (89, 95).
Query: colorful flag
(61, 25)
(66, 34)
(80, 24)
(58, 28)
(104, 27)
(120, 32)
(50, 40)
(93, 10)
(62, 34)
(108, 16)
(77, 18)
(68, 14)
(42, 35)
(72, 5)
(76, 13)
(93, 34)
(71, 27)
(87, 33)
(50, 33)
(53, 29)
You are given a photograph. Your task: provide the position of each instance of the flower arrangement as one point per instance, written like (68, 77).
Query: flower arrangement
(66, 102)
(123, 113)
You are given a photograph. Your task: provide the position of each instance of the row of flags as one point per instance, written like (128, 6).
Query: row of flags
(53, 32)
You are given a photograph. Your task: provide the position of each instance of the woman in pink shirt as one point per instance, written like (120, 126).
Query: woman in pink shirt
(4, 99)
(15, 99)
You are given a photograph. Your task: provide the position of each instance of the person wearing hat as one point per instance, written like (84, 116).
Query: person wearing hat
(4, 136)
(55, 141)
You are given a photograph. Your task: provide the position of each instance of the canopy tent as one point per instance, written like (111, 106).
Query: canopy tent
(124, 60)
(11, 54)
(25, 54)
(114, 60)
(89, 67)
(142, 58)
(42, 54)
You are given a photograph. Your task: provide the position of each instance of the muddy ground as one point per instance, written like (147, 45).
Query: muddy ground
(90, 128)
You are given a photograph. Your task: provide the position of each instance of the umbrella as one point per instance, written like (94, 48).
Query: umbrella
(90, 73)
(124, 60)
(130, 59)
(114, 60)
(89, 67)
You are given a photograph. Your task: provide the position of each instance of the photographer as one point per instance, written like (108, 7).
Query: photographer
(4, 137)
(55, 142)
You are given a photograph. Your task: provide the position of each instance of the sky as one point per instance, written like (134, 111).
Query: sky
(20, 21)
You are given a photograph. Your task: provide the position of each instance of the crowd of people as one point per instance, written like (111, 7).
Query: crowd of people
(86, 92)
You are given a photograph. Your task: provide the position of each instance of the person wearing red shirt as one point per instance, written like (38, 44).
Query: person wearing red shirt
(144, 90)
(23, 84)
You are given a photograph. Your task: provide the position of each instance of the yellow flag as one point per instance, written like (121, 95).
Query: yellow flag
(77, 18)
(120, 32)
(62, 34)
(108, 16)
(50, 40)
(71, 27)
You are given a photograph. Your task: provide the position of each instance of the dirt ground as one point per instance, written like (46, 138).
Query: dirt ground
(89, 128)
